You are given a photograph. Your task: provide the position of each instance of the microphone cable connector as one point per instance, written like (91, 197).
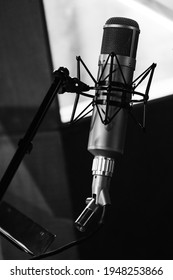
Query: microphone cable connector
(82, 221)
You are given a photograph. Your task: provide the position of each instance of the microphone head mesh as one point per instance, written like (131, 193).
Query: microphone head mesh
(123, 21)
(120, 36)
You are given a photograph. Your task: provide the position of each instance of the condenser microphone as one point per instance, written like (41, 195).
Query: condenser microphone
(111, 103)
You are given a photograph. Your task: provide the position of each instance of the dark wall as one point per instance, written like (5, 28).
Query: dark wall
(39, 188)
(139, 225)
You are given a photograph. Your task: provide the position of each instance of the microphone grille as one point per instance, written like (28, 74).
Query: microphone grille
(120, 36)
(123, 21)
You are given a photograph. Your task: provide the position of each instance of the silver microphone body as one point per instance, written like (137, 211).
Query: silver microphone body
(120, 37)
(106, 138)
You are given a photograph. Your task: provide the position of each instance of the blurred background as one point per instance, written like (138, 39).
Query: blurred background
(52, 183)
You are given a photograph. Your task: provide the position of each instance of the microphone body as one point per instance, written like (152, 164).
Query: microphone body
(110, 114)
(120, 37)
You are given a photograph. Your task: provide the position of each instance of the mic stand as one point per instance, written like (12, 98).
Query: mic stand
(17, 228)
(25, 144)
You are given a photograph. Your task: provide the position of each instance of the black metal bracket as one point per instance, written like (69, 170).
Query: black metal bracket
(127, 90)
